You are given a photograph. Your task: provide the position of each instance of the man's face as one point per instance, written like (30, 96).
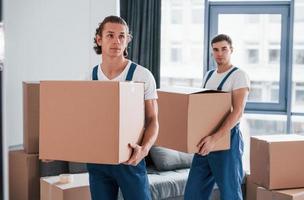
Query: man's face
(221, 52)
(114, 39)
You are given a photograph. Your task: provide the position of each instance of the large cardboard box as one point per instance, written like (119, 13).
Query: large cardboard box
(23, 176)
(77, 189)
(90, 121)
(31, 117)
(291, 194)
(277, 161)
(186, 115)
(251, 189)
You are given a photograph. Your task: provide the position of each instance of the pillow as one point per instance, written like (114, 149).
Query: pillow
(166, 159)
(76, 168)
(53, 168)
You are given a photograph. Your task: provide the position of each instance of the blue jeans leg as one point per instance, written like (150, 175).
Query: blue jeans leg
(133, 181)
(227, 168)
(200, 181)
(102, 185)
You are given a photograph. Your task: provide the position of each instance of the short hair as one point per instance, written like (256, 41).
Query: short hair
(221, 37)
(99, 29)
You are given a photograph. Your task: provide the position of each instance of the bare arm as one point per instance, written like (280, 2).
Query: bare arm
(150, 134)
(239, 98)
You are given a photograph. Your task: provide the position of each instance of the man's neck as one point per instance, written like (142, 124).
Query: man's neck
(112, 67)
(223, 68)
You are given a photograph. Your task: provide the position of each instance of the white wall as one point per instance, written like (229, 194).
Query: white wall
(45, 39)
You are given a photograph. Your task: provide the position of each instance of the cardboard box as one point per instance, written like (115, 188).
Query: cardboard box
(23, 176)
(78, 189)
(251, 189)
(292, 194)
(31, 117)
(90, 121)
(277, 161)
(186, 115)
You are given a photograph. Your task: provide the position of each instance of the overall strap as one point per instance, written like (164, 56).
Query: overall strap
(94, 73)
(131, 72)
(220, 87)
(208, 77)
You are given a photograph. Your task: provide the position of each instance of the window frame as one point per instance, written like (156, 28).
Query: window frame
(214, 8)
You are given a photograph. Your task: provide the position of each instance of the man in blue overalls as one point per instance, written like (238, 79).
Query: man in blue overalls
(111, 40)
(223, 167)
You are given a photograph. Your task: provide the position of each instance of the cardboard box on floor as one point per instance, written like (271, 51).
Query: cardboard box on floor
(291, 194)
(186, 115)
(90, 121)
(77, 189)
(23, 176)
(31, 117)
(277, 161)
(251, 189)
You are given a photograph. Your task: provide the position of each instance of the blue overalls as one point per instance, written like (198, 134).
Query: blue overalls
(222, 167)
(105, 179)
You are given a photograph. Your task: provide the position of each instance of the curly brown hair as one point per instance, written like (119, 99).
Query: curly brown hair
(109, 19)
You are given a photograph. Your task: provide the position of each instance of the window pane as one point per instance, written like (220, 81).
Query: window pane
(298, 59)
(298, 56)
(252, 56)
(298, 124)
(262, 124)
(257, 47)
(274, 56)
(182, 45)
(176, 16)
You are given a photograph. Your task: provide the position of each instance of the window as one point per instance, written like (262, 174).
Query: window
(298, 124)
(182, 43)
(176, 54)
(274, 92)
(298, 56)
(176, 16)
(261, 124)
(255, 91)
(299, 14)
(258, 47)
(274, 56)
(252, 56)
(197, 16)
(274, 18)
(252, 19)
(299, 94)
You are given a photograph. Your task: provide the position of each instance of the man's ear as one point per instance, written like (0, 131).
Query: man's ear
(231, 49)
(98, 39)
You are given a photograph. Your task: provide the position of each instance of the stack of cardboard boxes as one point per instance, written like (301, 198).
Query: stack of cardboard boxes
(23, 162)
(277, 168)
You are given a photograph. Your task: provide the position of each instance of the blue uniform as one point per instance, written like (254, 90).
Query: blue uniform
(105, 179)
(222, 167)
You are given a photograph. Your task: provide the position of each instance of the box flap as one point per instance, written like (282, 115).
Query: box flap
(186, 90)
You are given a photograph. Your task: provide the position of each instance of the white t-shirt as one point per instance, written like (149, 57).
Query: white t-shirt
(141, 74)
(238, 79)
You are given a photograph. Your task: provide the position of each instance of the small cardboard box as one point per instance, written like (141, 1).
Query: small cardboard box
(251, 189)
(77, 189)
(31, 117)
(23, 176)
(291, 194)
(186, 115)
(90, 121)
(277, 161)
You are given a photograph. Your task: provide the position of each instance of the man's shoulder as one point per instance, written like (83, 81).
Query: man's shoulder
(142, 71)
